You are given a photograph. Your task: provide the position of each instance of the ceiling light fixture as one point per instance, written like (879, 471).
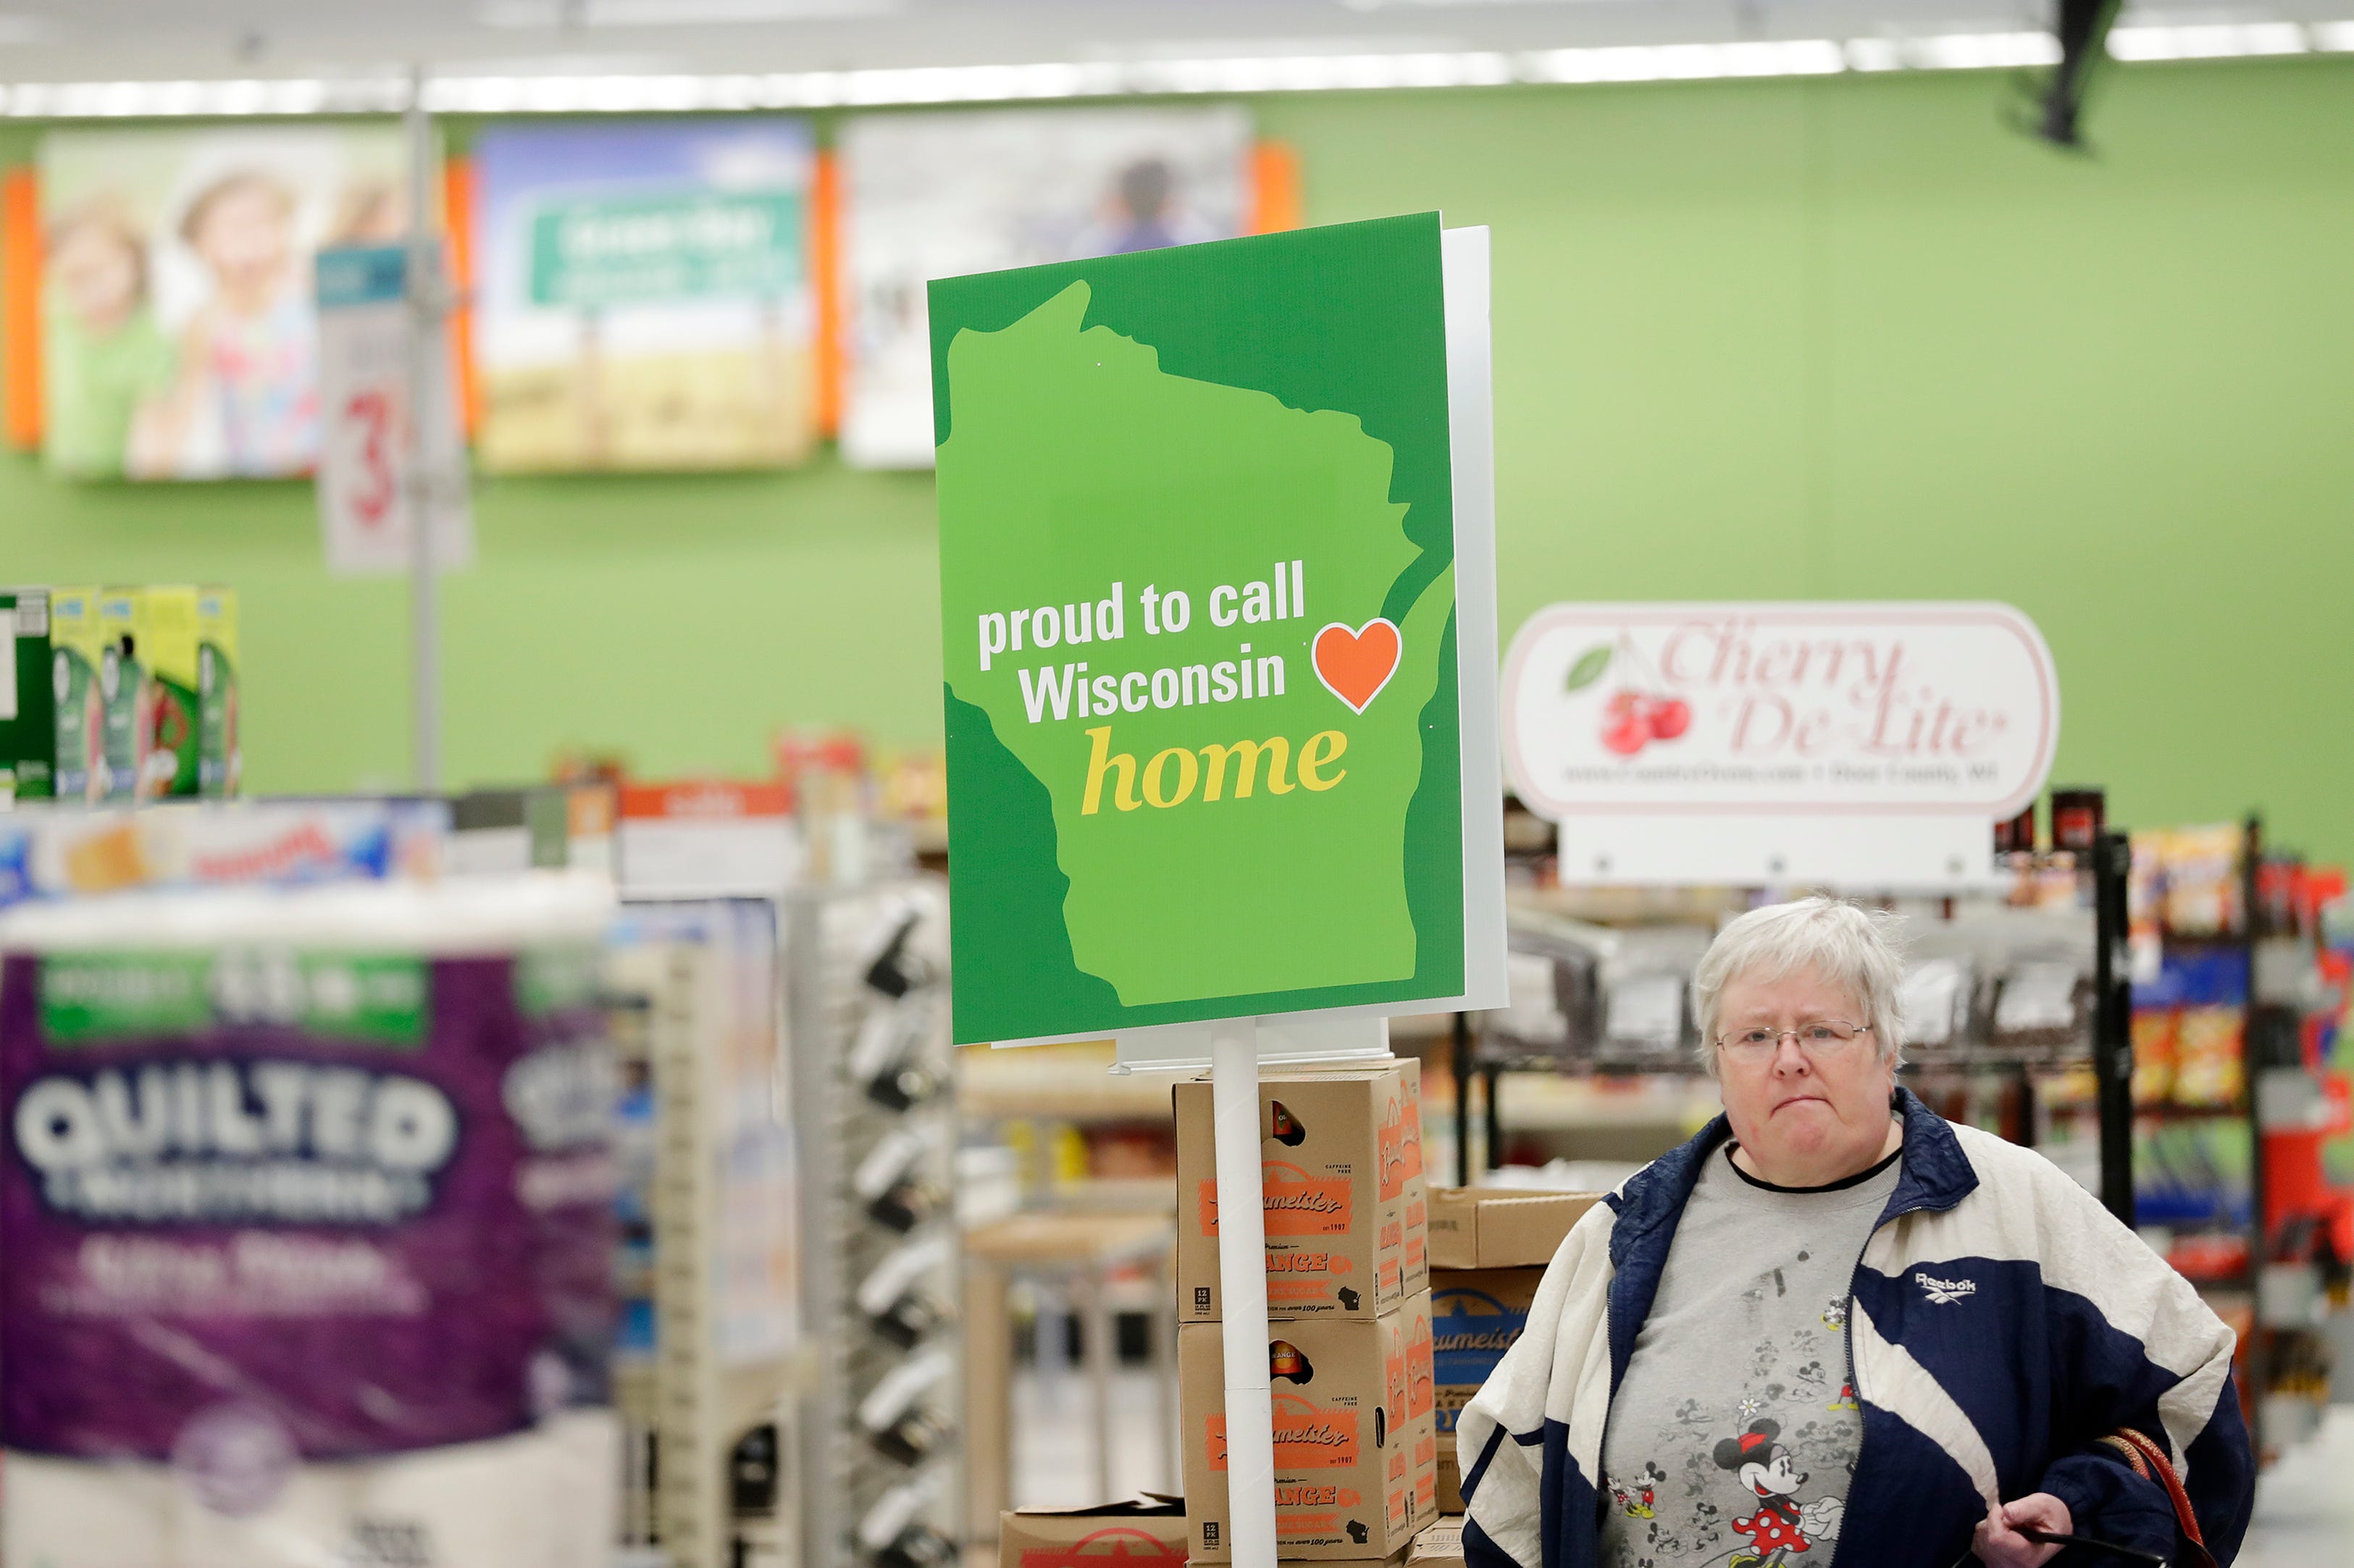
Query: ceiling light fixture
(645, 94)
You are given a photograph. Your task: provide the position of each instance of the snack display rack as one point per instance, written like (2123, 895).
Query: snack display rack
(2236, 1020)
(2017, 1006)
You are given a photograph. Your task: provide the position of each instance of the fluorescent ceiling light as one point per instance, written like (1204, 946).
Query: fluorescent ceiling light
(605, 92)
(2215, 41)
(1441, 4)
(553, 13)
(1686, 62)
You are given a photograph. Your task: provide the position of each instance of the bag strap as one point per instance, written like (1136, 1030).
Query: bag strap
(2148, 1461)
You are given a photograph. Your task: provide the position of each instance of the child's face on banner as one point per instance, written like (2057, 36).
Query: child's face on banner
(96, 269)
(246, 237)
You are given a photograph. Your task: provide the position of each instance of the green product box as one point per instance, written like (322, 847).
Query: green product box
(121, 686)
(163, 622)
(219, 758)
(28, 707)
(75, 656)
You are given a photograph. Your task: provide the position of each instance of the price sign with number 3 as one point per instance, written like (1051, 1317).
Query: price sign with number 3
(365, 369)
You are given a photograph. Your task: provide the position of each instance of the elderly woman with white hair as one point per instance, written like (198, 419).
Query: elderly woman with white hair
(1833, 1325)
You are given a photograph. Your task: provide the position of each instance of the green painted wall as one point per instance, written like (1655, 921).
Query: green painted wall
(1838, 338)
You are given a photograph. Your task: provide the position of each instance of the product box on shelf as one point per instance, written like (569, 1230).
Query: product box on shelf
(1488, 1252)
(165, 623)
(1481, 1227)
(1355, 1444)
(1345, 1202)
(76, 646)
(1476, 1315)
(121, 683)
(1144, 1532)
(28, 724)
(219, 759)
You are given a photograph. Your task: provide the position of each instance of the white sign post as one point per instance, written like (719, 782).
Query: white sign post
(392, 450)
(1851, 744)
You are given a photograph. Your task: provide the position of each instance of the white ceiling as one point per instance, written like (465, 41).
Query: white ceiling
(118, 40)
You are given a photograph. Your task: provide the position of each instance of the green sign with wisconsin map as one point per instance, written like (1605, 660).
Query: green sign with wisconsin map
(1199, 614)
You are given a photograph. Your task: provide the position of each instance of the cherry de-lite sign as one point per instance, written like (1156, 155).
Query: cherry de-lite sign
(1849, 743)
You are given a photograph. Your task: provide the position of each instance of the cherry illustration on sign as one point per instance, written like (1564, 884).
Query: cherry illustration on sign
(1354, 665)
(1632, 718)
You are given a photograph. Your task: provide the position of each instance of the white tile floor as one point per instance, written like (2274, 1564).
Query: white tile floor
(2304, 1504)
(1053, 1442)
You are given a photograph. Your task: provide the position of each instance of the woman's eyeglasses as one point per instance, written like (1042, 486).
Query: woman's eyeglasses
(1823, 1037)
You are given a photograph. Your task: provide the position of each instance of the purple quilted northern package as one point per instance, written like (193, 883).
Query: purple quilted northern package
(305, 1233)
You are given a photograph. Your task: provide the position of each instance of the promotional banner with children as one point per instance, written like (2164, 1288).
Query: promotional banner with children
(179, 336)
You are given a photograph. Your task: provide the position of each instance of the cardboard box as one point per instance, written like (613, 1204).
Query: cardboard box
(1148, 1532)
(1495, 1227)
(165, 625)
(220, 756)
(1450, 1479)
(1475, 1317)
(1345, 1202)
(28, 724)
(75, 643)
(1356, 1445)
(1440, 1546)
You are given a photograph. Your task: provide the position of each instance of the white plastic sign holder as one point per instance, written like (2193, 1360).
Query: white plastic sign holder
(1242, 1281)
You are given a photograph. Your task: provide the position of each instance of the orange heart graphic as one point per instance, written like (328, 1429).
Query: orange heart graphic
(1356, 665)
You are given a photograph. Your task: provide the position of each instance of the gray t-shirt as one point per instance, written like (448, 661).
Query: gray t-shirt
(1734, 1434)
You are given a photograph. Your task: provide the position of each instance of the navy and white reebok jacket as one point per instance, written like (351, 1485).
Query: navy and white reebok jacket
(2001, 1322)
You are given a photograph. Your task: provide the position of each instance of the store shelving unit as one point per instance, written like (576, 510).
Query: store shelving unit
(1649, 1096)
(879, 1456)
(694, 994)
(2279, 941)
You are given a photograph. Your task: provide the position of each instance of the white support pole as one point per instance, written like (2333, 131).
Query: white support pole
(422, 498)
(1242, 1287)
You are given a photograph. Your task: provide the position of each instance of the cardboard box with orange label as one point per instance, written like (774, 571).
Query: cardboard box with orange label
(1356, 1443)
(1146, 1532)
(1345, 1202)
(1489, 1248)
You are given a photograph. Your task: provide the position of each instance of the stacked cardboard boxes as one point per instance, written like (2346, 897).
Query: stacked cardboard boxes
(1487, 1251)
(1349, 1349)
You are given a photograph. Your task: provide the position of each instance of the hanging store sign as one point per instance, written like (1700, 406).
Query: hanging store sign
(366, 478)
(1666, 733)
(1214, 601)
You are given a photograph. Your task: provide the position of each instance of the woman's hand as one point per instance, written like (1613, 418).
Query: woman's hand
(1997, 1538)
